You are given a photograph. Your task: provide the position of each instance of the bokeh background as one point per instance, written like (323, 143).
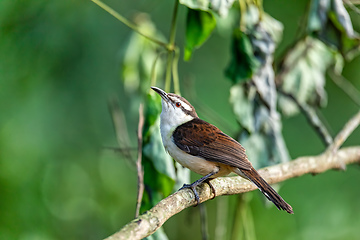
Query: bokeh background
(59, 66)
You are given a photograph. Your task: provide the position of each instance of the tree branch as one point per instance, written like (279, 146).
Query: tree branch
(349, 127)
(150, 221)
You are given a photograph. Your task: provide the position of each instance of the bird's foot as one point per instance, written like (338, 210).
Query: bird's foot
(197, 182)
(193, 188)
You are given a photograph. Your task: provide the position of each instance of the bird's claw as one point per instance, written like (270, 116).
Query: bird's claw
(193, 188)
(212, 188)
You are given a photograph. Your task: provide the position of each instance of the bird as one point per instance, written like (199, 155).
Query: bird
(205, 149)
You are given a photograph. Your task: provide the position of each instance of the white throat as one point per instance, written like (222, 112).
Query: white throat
(170, 118)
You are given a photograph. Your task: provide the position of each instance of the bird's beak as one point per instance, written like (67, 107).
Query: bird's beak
(162, 94)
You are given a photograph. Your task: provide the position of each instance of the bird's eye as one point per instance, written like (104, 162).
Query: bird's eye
(178, 104)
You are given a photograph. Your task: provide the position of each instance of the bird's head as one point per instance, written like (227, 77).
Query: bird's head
(175, 109)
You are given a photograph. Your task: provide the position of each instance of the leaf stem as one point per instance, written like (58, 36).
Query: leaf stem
(168, 71)
(173, 26)
(175, 71)
(242, 4)
(171, 47)
(153, 69)
(131, 25)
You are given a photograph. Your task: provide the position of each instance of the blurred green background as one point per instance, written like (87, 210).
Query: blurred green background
(59, 66)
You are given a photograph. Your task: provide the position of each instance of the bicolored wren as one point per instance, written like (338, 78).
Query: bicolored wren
(205, 149)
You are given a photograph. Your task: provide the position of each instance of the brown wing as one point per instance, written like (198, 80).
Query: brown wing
(202, 139)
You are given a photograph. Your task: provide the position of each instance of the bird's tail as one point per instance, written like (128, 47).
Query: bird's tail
(265, 188)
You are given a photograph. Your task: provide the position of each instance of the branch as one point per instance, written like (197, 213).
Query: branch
(122, 135)
(349, 127)
(150, 221)
(139, 167)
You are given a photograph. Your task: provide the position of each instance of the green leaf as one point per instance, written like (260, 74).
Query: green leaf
(243, 63)
(138, 57)
(152, 142)
(220, 7)
(199, 26)
(243, 106)
(265, 148)
(256, 149)
(159, 171)
(304, 76)
(262, 139)
(254, 104)
(330, 22)
(268, 24)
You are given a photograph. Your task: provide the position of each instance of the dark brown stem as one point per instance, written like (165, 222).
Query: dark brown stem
(312, 118)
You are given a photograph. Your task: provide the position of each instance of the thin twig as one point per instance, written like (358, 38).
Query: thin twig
(237, 230)
(346, 86)
(131, 25)
(352, 6)
(221, 218)
(349, 127)
(120, 127)
(153, 68)
(169, 61)
(312, 118)
(140, 171)
(204, 222)
(175, 71)
(171, 47)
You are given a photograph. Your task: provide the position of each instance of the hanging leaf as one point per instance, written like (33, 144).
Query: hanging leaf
(138, 57)
(159, 171)
(243, 62)
(270, 25)
(304, 74)
(330, 22)
(262, 139)
(160, 176)
(254, 101)
(220, 7)
(243, 106)
(199, 26)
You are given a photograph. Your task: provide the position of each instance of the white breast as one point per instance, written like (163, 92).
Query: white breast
(170, 119)
(195, 164)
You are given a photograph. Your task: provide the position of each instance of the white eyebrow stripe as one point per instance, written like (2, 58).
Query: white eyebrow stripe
(185, 105)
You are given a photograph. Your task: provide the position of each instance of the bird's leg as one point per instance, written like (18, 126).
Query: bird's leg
(198, 182)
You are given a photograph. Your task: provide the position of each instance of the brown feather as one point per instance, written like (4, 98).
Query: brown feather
(266, 189)
(202, 139)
